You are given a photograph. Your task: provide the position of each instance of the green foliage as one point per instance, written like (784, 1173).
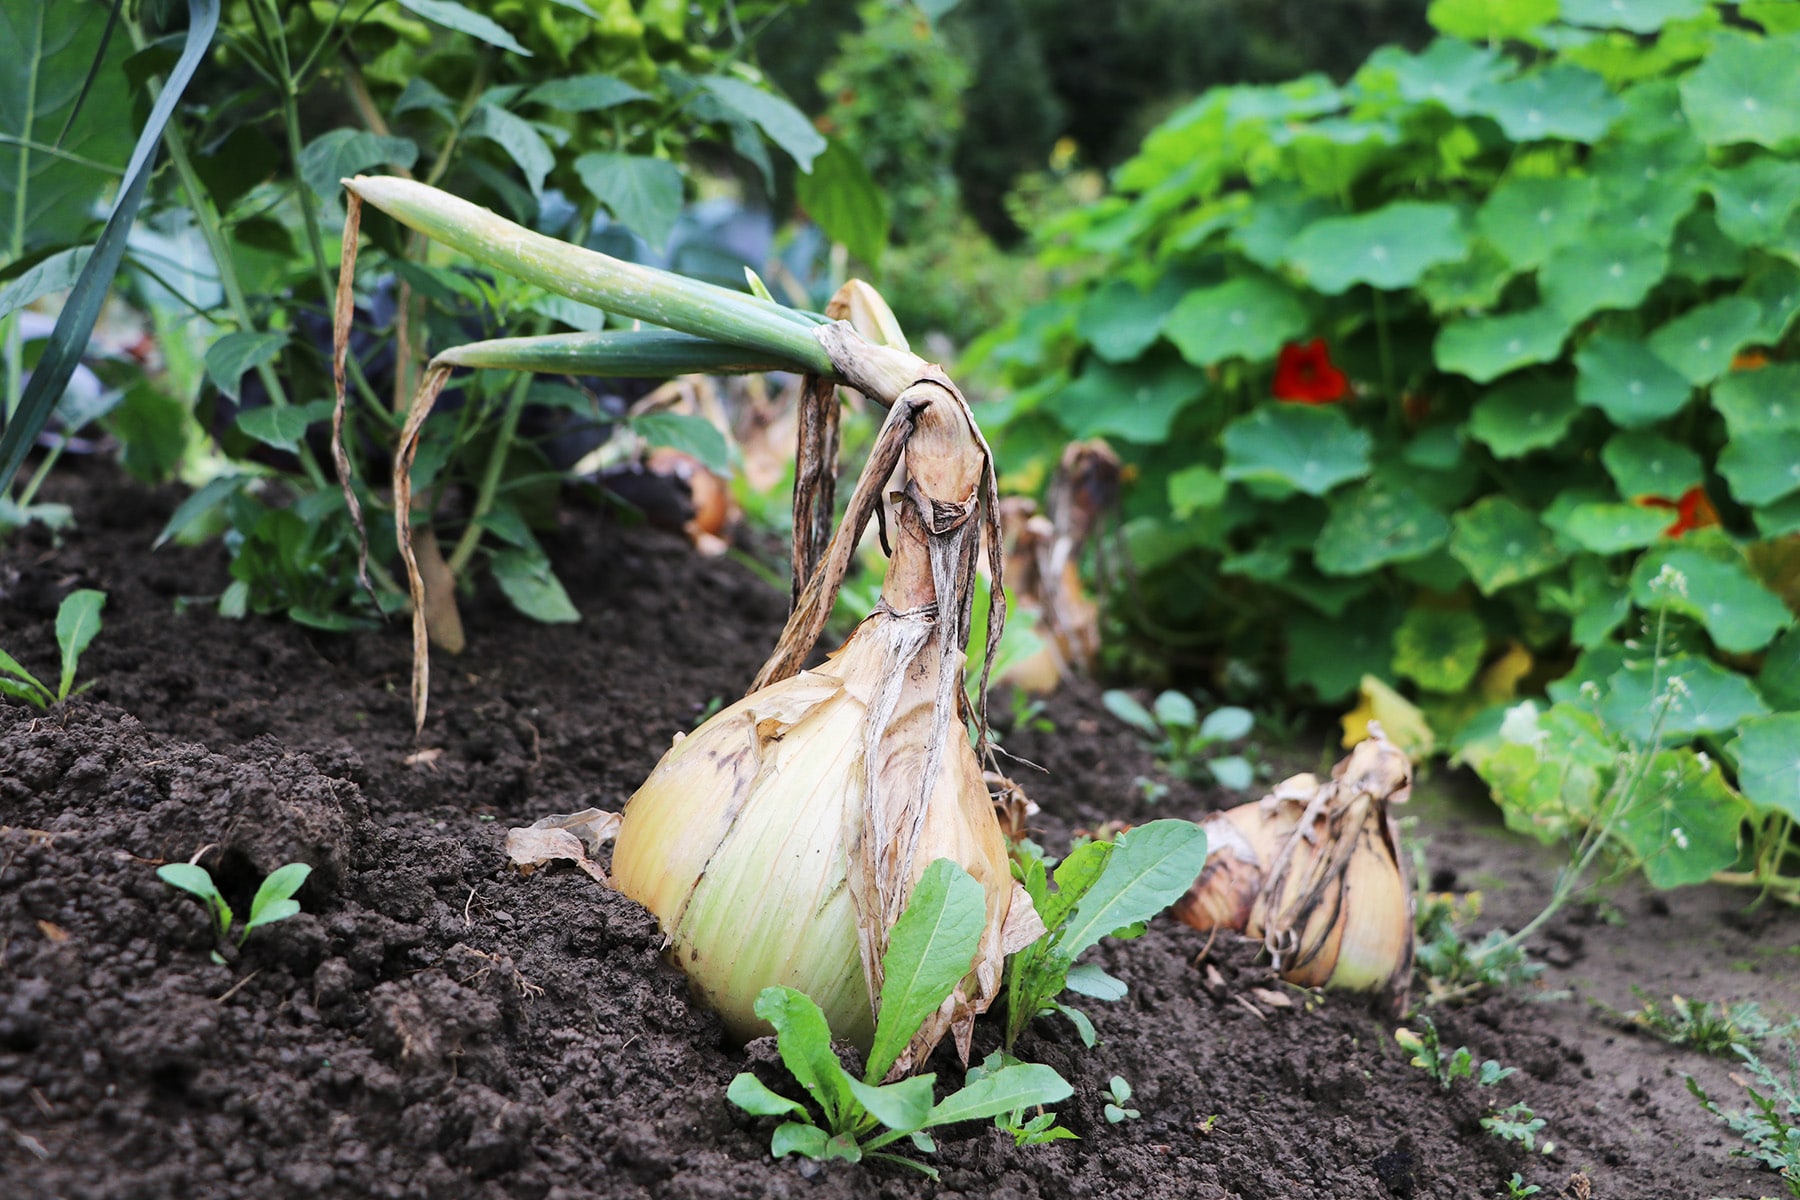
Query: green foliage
(1555, 264)
(1711, 1027)
(273, 900)
(1451, 966)
(1101, 888)
(1179, 735)
(77, 621)
(1118, 1095)
(1447, 1066)
(1771, 1125)
(1516, 1123)
(929, 951)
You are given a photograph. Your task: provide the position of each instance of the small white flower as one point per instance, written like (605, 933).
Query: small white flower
(1681, 838)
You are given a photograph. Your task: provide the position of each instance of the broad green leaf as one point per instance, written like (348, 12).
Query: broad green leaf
(929, 951)
(519, 138)
(1022, 1085)
(1647, 464)
(1250, 317)
(583, 318)
(1746, 90)
(1485, 348)
(1276, 218)
(1088, 979)
(1775, 16)
(1648, 185)
(228, 358)
(1776, 290)
(77, 621)
(1564, 102)
(1195, 489)
(1332, 654)
(903, 1107)
(754, 1097)
(1701, 343)
(1306, 448)
(1490, 20)
(1150, 868)
(1137, 401)
(1388, 248)
(1376, 524)
(584, 93)
(533, 587)
(282, 427)
(1075, 874)
(692, 435)
(794, 1137)
(1121, 322)
(277, 888)
(1755, 200)
(783, 124)
(1445, 72)
(803, 1040)
(1738, 612)
(342, 153)
(1682, 821)
(1176, 710)
(1767, 753)
(841, 197)
(452, 15)
(643, 193)
(196, 880)
(1700, 251)
(1762, 467)
(1125, 707)
(1475, 282)
(1609, 528)
(1778, 519)
(1760, 401)
(1779, 679)
(1602, 602)
(1638, 16)
(1627, 382)
(1551, 771)
(1528, 218)
(1523, 414)
(1606, 270)
(1501, 542)
(199, 505)
(57, 273)
(1227, 724)
(1684, 697)
(1440, 651)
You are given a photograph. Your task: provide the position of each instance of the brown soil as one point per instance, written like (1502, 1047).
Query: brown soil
(435, 1025)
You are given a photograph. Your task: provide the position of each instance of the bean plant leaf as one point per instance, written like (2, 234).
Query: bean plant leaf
(332, 157)
(228, 358)
(1250, 317)
(1746, 90)
(1565, 102)
(1485, 348)
(1626, 381)
(519, 138)
(1762, 467)
(1738, 612)
(784, 124)
(282, 426)
(693, 435)
(1682, 821)
(1501, 542)
(1648, 464)
(452, 15)
(527, 580)
(1374, 525)
(1701, 342)
(1527, 219)
(1306, 448)
(1150, 868)
(1022, 1085)
(584, 93)
(1391, 247)
(1609, 270)
(1767, 753)
(643, 193)
(842, 198)
(929, 951)
(1678, 699)
(1523, 414)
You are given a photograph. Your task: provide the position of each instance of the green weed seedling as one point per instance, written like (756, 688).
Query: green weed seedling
(1454, 967)
(77, 621)
(1709, 1027)
(1516, 1187)
(1179, 736)
(1770, 1127)
(1517, 1123)
(1101, 888)
(850, 1119)
(1118, 1095)
(273, 901)
(1447, 1066)
(1026, 1130)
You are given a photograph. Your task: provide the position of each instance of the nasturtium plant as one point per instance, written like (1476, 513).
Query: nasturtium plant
(1541, 278)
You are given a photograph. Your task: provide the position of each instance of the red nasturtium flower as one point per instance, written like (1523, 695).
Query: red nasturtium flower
(1306, 375)
(1693, 511)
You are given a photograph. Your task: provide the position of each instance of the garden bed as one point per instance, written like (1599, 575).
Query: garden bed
(435, 1025)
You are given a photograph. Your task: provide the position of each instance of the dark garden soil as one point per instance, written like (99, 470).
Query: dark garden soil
(435, 1025)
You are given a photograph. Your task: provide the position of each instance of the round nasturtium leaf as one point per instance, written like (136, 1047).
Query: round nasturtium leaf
(1739, 614)
(1647, 185)
(1475, 282)
(1637, 16)
(1607, 527)
(1333, 654)
(1136, 401)
(1767, 752)
(1277, 217)
(1440, 651)
(1701, 342)
(1778, 519)
(1682, 820)
(1645, 464)
(1372, 525)
(1779, 679)
(1762, 467)
(1388, 248)
(1490, 20)
(1120, 322)
(1755, 200)
(1248, 318)
(1525, 413)
(1759, 401)
(1608, 270)
(1700, 251)
(1746, 90)
(1485, 348)
(1564, 102)
(1628, 383)
(1195, 489)
(1528, 218)
(1679, 700)
(1500, 542)
(1445, 72)
(1309, 449)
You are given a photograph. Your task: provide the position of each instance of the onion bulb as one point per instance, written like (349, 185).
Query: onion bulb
(780, 841)
(1314, 871)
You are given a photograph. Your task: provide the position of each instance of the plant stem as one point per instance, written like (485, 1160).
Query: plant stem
(490, 479)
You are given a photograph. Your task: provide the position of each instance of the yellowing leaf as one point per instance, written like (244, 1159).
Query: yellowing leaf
(1501, 680)
(1400, 720)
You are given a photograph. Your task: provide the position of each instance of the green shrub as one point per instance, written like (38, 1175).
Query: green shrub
(1464, 376)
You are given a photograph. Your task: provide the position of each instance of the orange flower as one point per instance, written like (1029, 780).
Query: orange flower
(1693, 511)
(1749, 360)
(1306, 375)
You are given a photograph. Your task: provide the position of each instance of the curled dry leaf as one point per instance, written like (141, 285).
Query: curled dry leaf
(572, 838)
